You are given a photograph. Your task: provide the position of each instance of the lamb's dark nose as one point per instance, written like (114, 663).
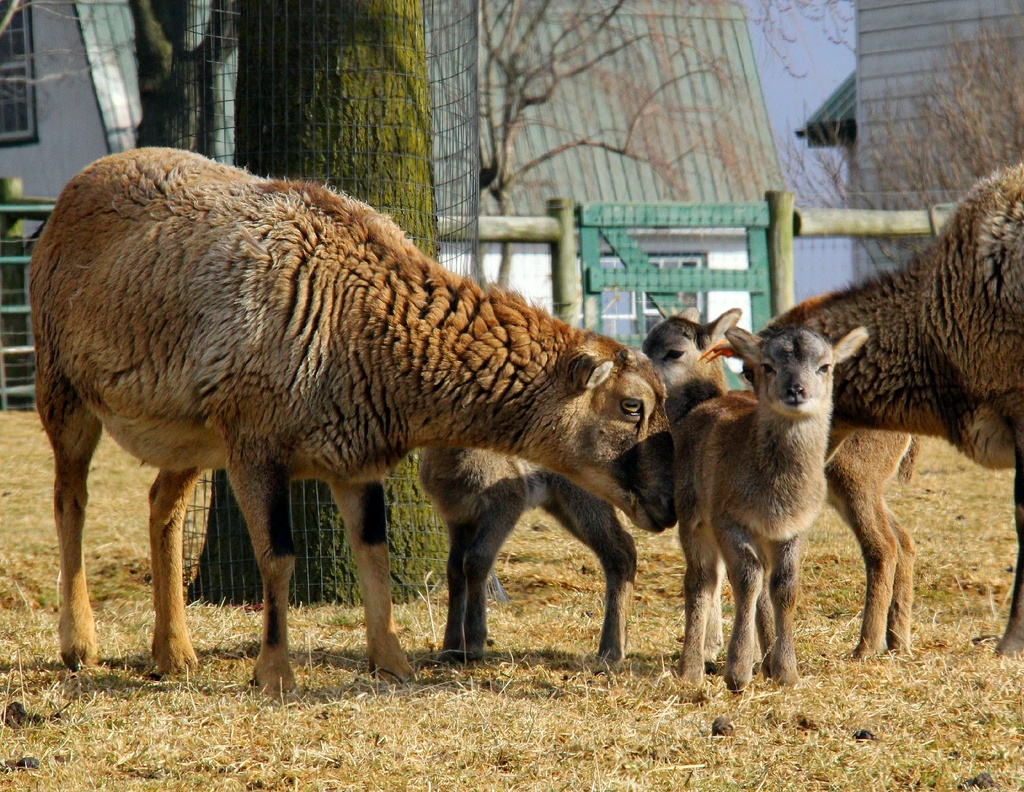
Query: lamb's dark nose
(795, 394)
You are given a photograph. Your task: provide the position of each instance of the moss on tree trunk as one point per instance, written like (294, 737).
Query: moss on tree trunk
(335, 91)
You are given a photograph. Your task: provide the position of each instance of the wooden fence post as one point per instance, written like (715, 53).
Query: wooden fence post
(780, 249)
(565, 281)
(11, 191)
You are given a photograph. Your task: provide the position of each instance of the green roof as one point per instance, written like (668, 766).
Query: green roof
(835, 122)
(704, 132)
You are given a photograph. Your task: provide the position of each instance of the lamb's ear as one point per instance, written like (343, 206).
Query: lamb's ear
(849, 345)
(587, 371)
(690, 314)
(746, 344)
(728, 320)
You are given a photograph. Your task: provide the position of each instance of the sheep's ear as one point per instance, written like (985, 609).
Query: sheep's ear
(746, 344)
(588, 372)
(849, 345)
(690, 314)
(726, 321)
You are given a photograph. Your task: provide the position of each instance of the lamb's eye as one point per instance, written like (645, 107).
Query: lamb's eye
(632, 407)
(767, 369)
(674, 354)
(824, 369)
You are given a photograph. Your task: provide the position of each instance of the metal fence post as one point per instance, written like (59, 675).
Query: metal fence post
(565, 280)
(780, 249)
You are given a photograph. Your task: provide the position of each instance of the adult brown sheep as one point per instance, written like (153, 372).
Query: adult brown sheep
(945, 355)
(209, 318)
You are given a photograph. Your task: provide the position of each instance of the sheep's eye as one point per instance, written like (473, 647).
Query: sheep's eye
(632, 407)
(674, 354)
(824, 369)
(748, 375)
(767, 369)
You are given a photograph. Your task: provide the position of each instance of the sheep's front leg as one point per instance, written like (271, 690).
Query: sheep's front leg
(74, 433)
(701, 587)
(1012, 643)
(168, 500)
(262, 489)
(782, 585)
(363, 510)
(746, 574)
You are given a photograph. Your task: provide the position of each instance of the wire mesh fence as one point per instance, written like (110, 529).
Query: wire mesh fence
(374, 99)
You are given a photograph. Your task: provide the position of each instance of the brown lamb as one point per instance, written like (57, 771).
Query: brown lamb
(857, 475)
(749, 482)
(209, 318)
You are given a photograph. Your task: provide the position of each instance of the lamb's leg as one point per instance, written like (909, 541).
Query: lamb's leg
(594, 523)
(782, 584)
(746, 574)
(74, 432)
(168, 500)
(898, 631)
(460, 536)
(494, 528)
(261, 488)
(765, 620)
(714, 640)
(701, 588)
(1012, 643)
(362, 508)
(863, 509)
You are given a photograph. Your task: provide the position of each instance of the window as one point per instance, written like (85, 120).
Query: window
(625, 313)
(17, 97)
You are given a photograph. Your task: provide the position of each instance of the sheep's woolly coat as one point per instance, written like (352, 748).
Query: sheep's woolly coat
(944, 356)
(210, 318)
(256, 300)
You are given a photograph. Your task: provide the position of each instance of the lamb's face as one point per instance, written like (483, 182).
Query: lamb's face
(614, 440)
(676, 347)
(792, 369)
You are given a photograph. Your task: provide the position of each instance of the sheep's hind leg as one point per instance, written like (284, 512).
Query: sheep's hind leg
(168, 500)
(1012, 643)
(262, 490)
(74, 432)
(477, 564)
(862, 508)
(362, 509)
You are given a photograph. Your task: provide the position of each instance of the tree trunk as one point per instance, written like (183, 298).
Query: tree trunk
(336, 91)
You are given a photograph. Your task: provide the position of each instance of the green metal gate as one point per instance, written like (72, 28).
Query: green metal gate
(17, 353)
(613, 226)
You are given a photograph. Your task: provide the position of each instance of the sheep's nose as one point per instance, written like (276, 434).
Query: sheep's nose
(795, 393)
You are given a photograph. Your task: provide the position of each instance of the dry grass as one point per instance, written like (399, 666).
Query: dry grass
(538, 714)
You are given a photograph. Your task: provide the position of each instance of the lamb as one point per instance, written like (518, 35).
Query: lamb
(209, 318)
(481, 496)
(857, 475)
(943, 358)
(749, 482)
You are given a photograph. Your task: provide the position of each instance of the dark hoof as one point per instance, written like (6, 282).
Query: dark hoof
(458, 657)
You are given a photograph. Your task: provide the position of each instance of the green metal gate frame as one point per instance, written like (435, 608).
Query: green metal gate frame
(17, 352)
(615, 222)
